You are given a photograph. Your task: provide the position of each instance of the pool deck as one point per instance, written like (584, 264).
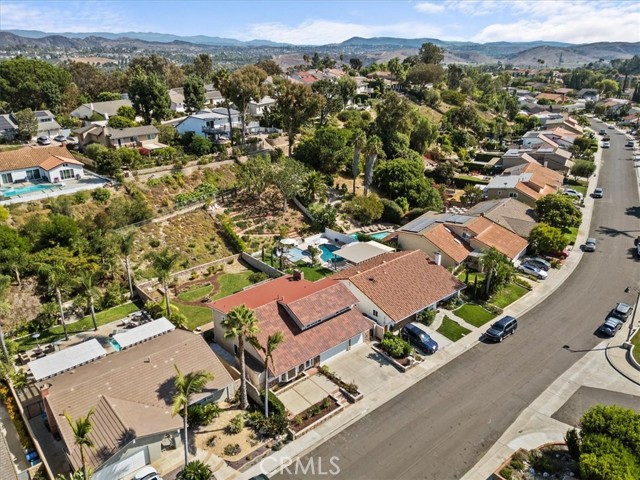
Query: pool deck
(90, 181)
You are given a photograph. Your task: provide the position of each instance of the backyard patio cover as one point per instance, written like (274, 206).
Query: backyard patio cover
(66, 359)
(359, 252)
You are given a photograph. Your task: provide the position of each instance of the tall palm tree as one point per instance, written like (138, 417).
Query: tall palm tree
(125, 245)
(272, 343)
(82, 427)
(162, 263)
(86, 281)
(314, 186)
(359, 142)
(5, 308)
(373, 149)
(241, 323)
(57, 276)
(187, 385)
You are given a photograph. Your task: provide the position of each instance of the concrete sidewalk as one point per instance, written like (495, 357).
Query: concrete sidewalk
(618, 358)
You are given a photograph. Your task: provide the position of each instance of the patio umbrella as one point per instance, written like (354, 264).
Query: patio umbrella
(288, 241)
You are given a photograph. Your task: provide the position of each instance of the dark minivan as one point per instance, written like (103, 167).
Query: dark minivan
(415, 335)
(503, 327)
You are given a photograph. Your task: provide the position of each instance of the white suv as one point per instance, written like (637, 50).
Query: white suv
(147, 473)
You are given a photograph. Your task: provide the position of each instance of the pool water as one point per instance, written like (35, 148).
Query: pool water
(115, 345)
(327, 252)
(375, 236)
(296, 254)
(28, 189)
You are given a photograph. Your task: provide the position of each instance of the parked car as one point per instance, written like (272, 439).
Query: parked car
(621, 311)
(43, 140)
(415, 335)
(611, 127)
(503, 327)
(590, 245)
(531, 269)
(538, 262)
(602, 132)
(611, 326)
(147, 473)
(606, 144)
(630, 143)
(60, 138)
(573, 193)
(598, 193)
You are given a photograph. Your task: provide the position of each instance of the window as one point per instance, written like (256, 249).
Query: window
(66, 174)
(7, 178)
(513, 194)
(466, 236)
(33, 174)
(375, 313)
(499, 193)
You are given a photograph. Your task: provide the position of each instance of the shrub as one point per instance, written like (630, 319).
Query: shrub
(154, 243)
(366, 209)
(203, 414)
(226, 225)
(426, 317)
(392, 212)
(395, 346)
(81, 197)
(539, 462)
(254, 420)
(101, 195)
(232, 449)
(235, 425)
(276, 425)
(275, 405)
(517, 465)
(507, 473)
(257, 277)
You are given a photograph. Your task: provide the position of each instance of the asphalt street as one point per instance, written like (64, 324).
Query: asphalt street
(439, 428)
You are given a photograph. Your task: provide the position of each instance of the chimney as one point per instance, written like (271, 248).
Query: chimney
(438, 258)
(44, 390)
(298, 275)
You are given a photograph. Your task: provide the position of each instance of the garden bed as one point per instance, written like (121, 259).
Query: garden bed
(313, 415)
(548, 461)
(403, 364)
(349, 390)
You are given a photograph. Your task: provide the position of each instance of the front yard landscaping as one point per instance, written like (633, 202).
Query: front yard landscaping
(452, 329)
(474, 314)
(507, 295)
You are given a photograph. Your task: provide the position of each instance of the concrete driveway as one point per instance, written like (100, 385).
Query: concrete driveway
(305, 393)
(365, 367)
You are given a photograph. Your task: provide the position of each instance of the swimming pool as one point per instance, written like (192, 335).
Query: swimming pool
(12, 192)
(327, 252)
(375, 236)
(296, 254)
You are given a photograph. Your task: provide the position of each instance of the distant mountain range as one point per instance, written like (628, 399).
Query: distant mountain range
(516, 53)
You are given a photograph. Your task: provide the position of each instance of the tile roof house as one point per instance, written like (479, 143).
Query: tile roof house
(526, 182)
(554, 158)
(588, 94)
(131, 392)
(144, 136)
(455, 237)
(318, 319)
(554, 97)
(104, 110)
(513, 215)
(53, 164)
(393, 288)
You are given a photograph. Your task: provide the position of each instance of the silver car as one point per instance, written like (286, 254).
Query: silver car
(590, 245)
(533, 270)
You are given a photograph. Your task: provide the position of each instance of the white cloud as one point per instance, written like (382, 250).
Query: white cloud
(79, 16)
(570, 21)
(426, 7)
(319, 32)
(475, 8)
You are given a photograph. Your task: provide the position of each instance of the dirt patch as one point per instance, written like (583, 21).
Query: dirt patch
(25, 304)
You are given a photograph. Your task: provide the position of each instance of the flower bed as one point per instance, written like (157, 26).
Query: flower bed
(349, 390)
(402, 364)
(314, 413)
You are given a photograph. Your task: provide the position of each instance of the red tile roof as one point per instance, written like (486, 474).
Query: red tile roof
(448, 242)
(493, 235)
(402, 283)
(29, 157)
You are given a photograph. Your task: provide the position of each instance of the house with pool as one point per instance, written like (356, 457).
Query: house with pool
(36, 168)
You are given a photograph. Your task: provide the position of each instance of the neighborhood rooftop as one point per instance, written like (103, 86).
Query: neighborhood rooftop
(66, 359)
(30, 157)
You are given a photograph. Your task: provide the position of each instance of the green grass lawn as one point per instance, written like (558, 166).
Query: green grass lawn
(232, 283)
(56, 332)
(196, 293)
(314, 273)
(636, 350)
(474, 314)
(507, 295)
(452, 329)
(472, 277)
(578, 186)
(196, 316)
(571, 235)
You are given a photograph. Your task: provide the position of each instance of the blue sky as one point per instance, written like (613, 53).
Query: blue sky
(320, 22)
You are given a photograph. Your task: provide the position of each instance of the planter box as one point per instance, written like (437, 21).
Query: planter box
(352, 398)
(394, 362)
(320, 420)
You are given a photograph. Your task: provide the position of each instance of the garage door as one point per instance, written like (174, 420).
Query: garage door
(123, 469)
(334, 351)
(357, 340)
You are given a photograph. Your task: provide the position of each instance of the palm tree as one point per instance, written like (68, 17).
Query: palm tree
(86, 280)
(125, 244)
(373, 149)
(241, 323)
(162, 263)
(491, 262)
(359, 142)
(56, 275)
(272, 343)
(314, 186)
(81, 427)
(5, 308)
(196, 470)
(187, 385)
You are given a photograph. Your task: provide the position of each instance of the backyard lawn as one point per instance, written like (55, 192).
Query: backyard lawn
(452, 329)
(507, 295)
(474, 314)
(472, 277)
(197, 293)
(196, 316)
(315, 273)
(56, 332)
(232, 283)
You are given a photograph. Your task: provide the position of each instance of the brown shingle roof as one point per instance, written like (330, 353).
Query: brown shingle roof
(131, 391)
(448, 242)
(28, 157)
(493, 235)
(402, 283)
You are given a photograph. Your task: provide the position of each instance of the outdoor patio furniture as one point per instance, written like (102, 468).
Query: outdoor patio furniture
(50, 348)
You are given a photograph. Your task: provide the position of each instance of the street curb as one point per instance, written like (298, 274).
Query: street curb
(606, 354)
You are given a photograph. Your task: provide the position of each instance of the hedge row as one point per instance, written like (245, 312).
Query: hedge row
(462, 182)
(230, 235)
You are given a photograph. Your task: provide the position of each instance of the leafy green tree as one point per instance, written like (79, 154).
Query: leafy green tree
(125, 247)
(608, 88)
(222, 81)
(392, 211)
(120, 122)
(199, 145)
(194, 98)
(246, 84)
(196, 470)
(347, 87)
(162, 263)
(160, 66)
(288, 175)
(313, 187)
(425, 73)
(14, 252)
(241, 323)
(270, 66)
(373, 148)
(359, 141)
(149, 96)
(186, 385)
(324, 215)
(27, 124)
(5, 309)
(127, 112)
(583, 168)
(455, 73)
(431, 53)
(395, 114)
(366, 209)
(444, 173)
(57, 278)
(558, 211)
(423, 135)
(355, 63)
(86, 282)
(296, 105)
(81, 428)
(330, 101)
(498, 269)
(203, 67)
(273, 342)
(465, 117)
(397, 69)
(327, 150)
(544, 238)
(255, 175)
(472, 195)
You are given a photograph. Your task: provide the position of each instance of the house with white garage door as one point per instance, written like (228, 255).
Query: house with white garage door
(318, 319)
